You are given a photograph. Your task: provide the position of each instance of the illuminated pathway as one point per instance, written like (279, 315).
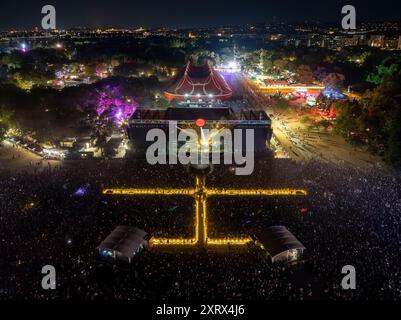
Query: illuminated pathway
(200, 194)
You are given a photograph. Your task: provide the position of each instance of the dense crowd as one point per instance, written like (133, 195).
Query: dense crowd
(58, 216)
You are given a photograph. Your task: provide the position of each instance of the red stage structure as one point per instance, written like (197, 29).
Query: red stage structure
(198, 82)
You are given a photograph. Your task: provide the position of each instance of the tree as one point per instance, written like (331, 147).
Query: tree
(281, 103)
(393, 153)
(265, 61)
(126, 70)
(305, 119)
(174, 103)
(5, 120)
(22, 83)
(202, 56)
(90, 70)
(226, 54)
(320, 73)
(177, 43)
(347, 118)
(375, 120)
(280, 64)
(334, 81)
(304, 74)
(389, 67)
(12, 60)
(101, 69)
(162, 103)
(3, 72)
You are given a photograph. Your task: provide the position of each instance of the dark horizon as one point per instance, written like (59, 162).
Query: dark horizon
(179, 14)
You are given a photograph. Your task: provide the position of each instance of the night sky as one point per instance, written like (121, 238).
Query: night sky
(187, 13)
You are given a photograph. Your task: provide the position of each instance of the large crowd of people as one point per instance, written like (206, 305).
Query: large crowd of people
(58, 216)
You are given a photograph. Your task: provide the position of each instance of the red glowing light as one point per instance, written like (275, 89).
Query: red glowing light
(304, 210)
(200, 122)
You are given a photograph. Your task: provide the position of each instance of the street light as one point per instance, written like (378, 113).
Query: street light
(24, 47)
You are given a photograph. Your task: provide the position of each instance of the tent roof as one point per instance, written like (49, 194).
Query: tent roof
(199, 80)
(124, 239)
(278, 239)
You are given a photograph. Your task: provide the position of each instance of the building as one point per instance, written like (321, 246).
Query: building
(199, 83)
(218, 116)
(377, 41)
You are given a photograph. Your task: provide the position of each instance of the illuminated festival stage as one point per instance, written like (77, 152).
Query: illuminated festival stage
(200, 193)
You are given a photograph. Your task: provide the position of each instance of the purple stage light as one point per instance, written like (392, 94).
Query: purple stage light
(115, 108)
(80, 192)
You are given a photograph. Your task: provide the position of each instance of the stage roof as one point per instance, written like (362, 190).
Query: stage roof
(125, 240)
(278, 239)
(199, 82)
(223, 114)
(196, 113)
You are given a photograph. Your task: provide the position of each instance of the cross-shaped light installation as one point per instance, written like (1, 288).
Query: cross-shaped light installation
(200, 193)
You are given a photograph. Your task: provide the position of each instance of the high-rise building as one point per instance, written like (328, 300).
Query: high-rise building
(377, 41)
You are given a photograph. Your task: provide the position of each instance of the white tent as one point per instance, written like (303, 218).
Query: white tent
(280, 244)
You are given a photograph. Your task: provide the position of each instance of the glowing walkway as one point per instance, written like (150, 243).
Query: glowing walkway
(200, 194)
(255, 192)
(150, 192)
